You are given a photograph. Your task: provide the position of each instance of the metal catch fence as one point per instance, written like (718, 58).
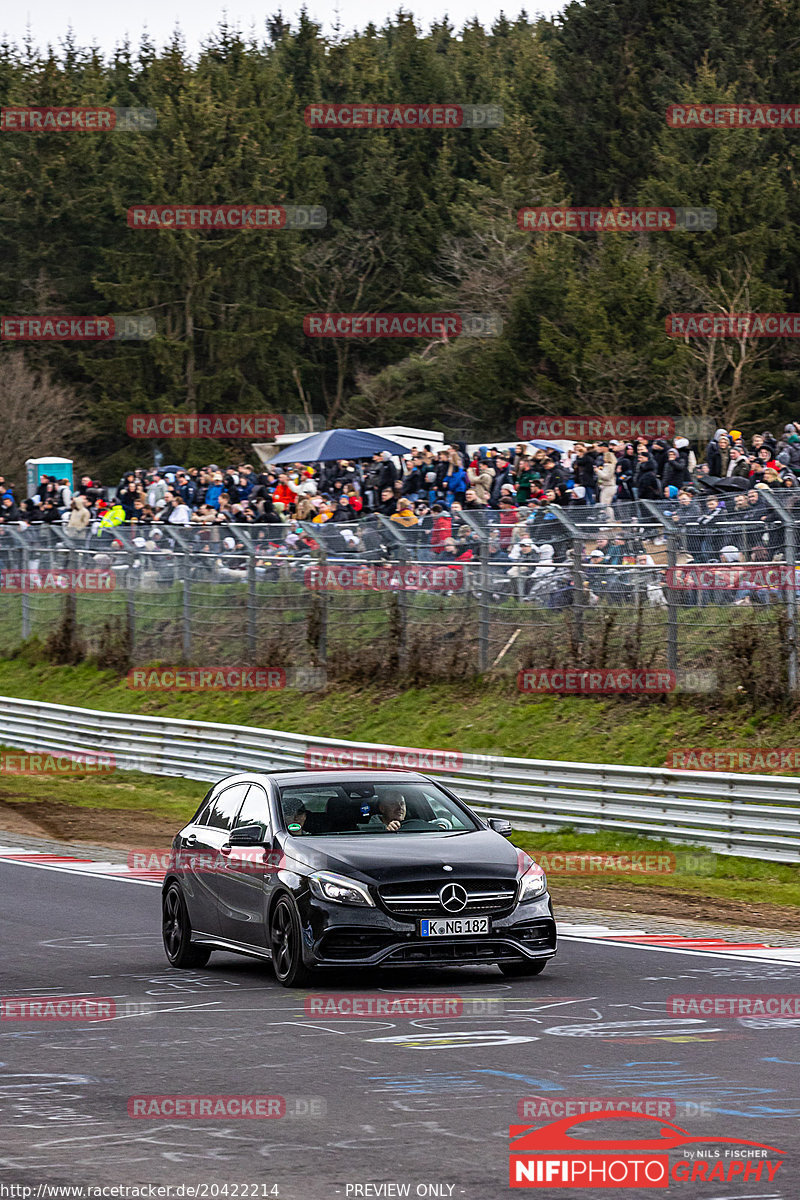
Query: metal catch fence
(683, 586)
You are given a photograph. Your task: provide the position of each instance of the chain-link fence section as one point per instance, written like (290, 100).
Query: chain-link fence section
(686, 586)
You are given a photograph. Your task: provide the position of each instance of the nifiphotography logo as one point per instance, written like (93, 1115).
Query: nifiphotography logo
(552, 1156)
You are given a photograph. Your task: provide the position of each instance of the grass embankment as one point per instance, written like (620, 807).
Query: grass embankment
(481, 718)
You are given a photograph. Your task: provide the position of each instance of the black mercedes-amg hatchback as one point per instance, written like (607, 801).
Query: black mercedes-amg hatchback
(316, 869)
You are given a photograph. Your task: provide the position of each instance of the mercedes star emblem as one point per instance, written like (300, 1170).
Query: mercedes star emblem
(453, 897)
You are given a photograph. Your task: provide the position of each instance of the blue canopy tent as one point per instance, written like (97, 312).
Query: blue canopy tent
(334, 444)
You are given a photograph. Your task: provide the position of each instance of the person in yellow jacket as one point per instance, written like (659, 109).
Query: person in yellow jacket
(111, 518)
(405, 514)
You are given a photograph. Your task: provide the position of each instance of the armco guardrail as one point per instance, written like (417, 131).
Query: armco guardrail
(756, 815)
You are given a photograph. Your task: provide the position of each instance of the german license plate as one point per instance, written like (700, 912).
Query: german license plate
(453, 926)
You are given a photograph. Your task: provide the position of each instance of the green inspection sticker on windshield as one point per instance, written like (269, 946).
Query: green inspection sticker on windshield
(294, 828)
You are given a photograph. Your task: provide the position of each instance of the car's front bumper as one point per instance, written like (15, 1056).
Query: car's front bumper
(339, 935)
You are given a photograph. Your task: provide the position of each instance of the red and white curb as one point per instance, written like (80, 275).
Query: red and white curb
(676, 943)
(637, 938)
(79, 866)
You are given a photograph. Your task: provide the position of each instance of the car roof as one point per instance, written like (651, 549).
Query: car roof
(344, 775)
(293, 777)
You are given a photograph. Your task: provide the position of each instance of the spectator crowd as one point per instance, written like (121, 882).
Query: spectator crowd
(435, 500)
(426, 480)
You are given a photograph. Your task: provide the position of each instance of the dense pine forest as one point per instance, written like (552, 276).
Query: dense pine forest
(417, 221)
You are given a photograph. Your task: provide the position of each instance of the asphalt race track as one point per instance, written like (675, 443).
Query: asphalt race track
(419, 1103)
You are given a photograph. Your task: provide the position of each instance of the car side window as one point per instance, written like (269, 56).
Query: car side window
(255, 809)
(225, 806)
(203, 808)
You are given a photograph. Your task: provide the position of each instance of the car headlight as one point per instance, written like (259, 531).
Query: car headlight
(532, 883)
(339, 888)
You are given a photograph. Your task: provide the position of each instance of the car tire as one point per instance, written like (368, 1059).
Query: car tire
(285, 941)
(523, 968)
(176, 931)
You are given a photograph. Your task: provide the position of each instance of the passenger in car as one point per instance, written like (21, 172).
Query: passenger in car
(294, 813)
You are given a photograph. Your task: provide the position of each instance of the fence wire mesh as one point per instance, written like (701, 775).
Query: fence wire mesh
(676, 585)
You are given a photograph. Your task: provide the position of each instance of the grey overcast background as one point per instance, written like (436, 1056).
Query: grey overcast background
(105, 25)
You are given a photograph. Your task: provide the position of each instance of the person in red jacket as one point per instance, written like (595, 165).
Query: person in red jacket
(508, 519)
(442, 528)
(283, 493)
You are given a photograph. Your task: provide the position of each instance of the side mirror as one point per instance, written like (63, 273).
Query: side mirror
(248, 835)
(501, 825)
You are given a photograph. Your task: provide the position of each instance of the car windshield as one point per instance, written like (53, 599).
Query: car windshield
(371, 808)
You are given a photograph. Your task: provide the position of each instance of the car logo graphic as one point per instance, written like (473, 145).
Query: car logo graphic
(555, 1137)
(453, 897)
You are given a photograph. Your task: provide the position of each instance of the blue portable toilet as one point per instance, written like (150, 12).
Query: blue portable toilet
(38, 467)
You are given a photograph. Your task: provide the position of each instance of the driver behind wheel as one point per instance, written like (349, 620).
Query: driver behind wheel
(391, 812)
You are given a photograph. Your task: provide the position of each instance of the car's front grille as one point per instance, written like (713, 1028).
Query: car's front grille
(437, 950)
(421, 898)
